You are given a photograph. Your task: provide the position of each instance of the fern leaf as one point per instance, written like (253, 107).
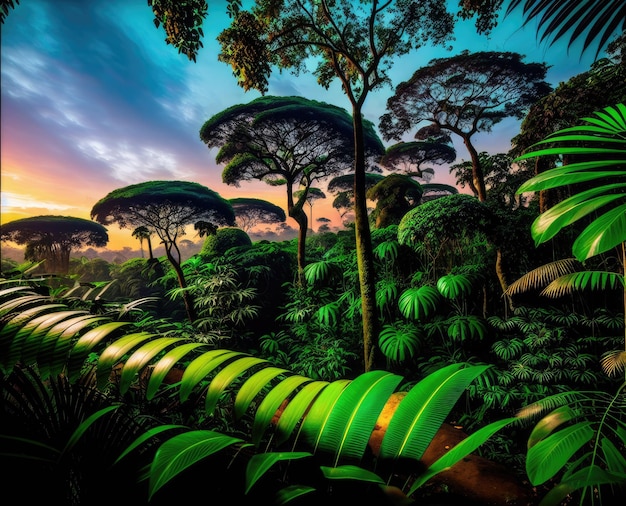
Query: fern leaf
(543, 275)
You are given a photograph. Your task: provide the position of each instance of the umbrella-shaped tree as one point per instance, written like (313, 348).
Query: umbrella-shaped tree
(465, 94)
(52, 238)
(249, 212)
(287, 141)
(165, 208)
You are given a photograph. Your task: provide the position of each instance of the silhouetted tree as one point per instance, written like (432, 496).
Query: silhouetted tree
(52, 238)
(165, 208)
(465, 94)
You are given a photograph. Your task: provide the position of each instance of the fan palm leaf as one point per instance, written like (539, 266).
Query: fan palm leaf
(418, 303)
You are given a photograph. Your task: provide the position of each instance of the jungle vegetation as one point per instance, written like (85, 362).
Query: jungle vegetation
(244, 375)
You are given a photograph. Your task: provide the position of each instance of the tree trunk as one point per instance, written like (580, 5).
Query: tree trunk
(182, 282)
(364, 252)
(297, 213)
(478, 178)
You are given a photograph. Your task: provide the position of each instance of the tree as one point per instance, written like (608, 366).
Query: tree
(502, 177)
(143, 234)
(355, 43)
(249, 212)
(343, 189)
(287, 141)
(410, 157)
(465, 94)
(52, 238)
(313, 194)
(395, 195)
(165, 208)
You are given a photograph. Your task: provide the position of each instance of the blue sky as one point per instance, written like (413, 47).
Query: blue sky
(93, 99)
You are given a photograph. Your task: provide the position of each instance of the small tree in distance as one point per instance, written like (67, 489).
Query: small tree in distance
(165, 208)
(250, 212)
(52, 238)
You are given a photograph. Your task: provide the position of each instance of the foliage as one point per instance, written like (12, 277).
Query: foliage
(598, 19)
(224, 239)
(394, 196)
(332, 421)
(355, 44)
(289, 141)
(601, 144)
(465, 94)
(52, 238)
(250, 212)
(443, 231)
(165, 208)
(409, 157)
(581, 439)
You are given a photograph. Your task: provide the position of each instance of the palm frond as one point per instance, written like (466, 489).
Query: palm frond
(585, 280)
(543, 275)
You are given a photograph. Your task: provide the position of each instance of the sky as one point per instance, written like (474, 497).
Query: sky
(93, 99)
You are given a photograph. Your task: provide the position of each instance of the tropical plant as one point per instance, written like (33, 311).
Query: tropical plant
(289, 417)
(165, 208)
(580, 443)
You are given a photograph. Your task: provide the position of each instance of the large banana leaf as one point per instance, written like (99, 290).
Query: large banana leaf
(347, 428)
(115, 352)
(607, 200)
(141, 358)
(424, 408)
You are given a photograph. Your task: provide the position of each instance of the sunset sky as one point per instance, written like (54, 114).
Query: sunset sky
(93, 100)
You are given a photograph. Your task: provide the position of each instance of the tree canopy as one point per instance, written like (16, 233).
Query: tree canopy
(250, 212)
(52, 238)
(289, 141)
(412, 158)
(166, 208)
(465, 94)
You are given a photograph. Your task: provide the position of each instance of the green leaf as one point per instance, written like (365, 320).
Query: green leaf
(200, 367)
(349, 472)
(183, 451)
(453, 286)
(460, 451)
(349, 425)
(603, 234)
(550, 422)
(225, 377)
(548, 456)
(260, 463)
(424, 408)
(548, 224)
(252, 386)
(114, 353)
(85, 425)
(417, 303)
(296, 409)
(165, 364)
(141, 357)
(288, 494)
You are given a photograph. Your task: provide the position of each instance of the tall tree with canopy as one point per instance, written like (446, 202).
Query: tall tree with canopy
(354, 42)
(52, 238)
(250, 212)
(342, 187)
(288, 141)
(165, 208)
(466, 94)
